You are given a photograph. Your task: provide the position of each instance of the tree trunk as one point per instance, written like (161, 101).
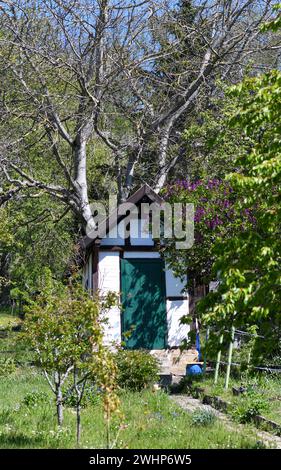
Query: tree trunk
(79, 395)
(163, 148)
(81, 183)
(78, 423)
(59, 406)
(59, 398)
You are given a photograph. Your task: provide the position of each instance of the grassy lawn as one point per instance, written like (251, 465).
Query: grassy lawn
(7, 320)
(150, 420)
(266, 386)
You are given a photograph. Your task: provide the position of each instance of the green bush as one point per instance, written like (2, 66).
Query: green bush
(7, 366)
(202, 417)
(248, 407)
(136, 369)
(35, 398)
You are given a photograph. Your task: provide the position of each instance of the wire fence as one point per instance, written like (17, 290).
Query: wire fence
(270, 368)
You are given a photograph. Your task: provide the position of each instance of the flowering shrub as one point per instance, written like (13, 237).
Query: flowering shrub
(216, 218)
(249, 264)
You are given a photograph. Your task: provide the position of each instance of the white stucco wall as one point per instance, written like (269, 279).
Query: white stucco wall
(176, 309)
(174, 286)
(177, 332)
(109, 280)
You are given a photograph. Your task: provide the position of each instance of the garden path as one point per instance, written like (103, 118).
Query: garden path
(191, 404)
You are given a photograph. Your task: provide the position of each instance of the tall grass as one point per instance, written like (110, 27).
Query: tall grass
(150, 420)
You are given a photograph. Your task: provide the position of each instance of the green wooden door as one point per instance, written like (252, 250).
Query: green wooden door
(144, 303)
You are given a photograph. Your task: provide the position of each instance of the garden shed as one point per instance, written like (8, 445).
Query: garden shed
(153, 300)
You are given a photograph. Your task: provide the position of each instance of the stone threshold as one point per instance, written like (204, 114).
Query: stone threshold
(174, 361)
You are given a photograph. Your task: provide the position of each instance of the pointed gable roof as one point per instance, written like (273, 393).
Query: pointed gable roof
(145, 192)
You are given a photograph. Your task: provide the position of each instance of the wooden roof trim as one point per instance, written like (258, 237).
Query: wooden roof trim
(135, 198)
(145, 190)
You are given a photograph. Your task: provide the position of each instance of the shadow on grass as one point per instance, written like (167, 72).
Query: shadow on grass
(18, 439)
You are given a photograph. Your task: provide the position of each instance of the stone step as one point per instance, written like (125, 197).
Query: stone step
(174, 361)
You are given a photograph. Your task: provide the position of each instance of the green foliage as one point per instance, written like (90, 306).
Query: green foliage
(202, 417)
(91, 396)
(6, 237)
(151, 420)
(249, 262)
(210, 144)
(136, 369)
(6, 416)
(243, 355)
(33, 237)
(216, 218)
(6, 243)
(7, 366)
(256, 385)
(56, 327)
(248, 407)
(64, 326)
(35, 398)
(275, 24)
(13, 348)
(7, 320)
(43, 242)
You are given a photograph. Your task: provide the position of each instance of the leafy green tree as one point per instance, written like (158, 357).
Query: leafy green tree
(34, 235)
(65, 328)
(249, 262)
(6, 238)
(209, 145)
(120, 74)
(44, 240)
(6, 242)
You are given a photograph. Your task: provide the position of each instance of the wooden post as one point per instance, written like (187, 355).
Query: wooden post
(205, 353)
(218, 361)
(230, 349)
